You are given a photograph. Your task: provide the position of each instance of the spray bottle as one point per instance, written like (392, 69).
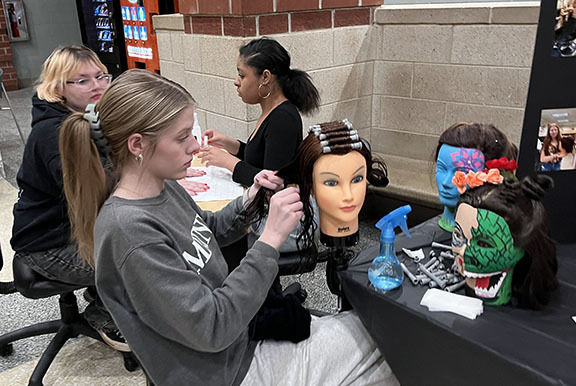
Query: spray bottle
(197, 130)
(385, 273)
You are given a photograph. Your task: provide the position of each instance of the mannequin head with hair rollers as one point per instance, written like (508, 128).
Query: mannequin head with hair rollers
(333, 165)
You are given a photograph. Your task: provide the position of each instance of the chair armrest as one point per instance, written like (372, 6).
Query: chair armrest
(294, 263)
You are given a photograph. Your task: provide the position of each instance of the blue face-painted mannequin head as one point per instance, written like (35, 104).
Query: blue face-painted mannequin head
(450, 160)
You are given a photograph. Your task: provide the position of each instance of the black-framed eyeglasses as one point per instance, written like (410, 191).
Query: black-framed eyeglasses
(102, 79)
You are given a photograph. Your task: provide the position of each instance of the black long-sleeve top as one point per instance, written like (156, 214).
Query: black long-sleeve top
(273, 146)
(41, 216)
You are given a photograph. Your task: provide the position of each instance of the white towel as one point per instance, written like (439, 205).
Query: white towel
(437, 300)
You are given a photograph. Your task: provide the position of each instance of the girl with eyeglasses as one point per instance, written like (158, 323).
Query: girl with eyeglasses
(72, 77)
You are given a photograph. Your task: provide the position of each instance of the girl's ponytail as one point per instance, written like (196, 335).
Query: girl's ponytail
(84, 181)
(299, 89)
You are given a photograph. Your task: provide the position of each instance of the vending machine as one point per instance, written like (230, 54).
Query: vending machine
(139, 37)
(100, 24)
(121, 31)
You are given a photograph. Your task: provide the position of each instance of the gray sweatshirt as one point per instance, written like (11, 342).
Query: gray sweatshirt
(162, 276)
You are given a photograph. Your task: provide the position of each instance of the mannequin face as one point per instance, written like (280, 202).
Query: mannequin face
(339, 187)
(485, 253)
(450, 160)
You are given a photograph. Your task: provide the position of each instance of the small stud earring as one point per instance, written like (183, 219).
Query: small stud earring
(140, 158)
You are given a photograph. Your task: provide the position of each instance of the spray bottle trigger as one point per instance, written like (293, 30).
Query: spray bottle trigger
(404, 228)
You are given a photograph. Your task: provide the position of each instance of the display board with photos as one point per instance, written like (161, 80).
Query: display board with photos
(549, 130)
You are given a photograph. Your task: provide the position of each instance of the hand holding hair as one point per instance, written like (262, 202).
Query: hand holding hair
(286, 210)
(266, 179)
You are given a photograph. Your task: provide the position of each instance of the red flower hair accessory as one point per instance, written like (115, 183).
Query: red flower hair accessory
(502, 164)
(475, 179)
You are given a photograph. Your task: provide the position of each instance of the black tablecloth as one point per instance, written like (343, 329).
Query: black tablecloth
(503, 346)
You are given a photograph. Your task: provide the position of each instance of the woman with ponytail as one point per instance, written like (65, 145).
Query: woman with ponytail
(265, 78)
(159, 266)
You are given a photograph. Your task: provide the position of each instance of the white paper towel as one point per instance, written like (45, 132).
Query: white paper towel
(437, 300)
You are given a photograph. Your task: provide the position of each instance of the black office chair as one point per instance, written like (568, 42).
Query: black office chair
(35, 286)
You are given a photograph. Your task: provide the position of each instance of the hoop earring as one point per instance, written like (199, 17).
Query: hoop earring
(269, 90)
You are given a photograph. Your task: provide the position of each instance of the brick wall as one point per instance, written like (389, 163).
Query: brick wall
(266, 17)
(400, 80)
(9, 78)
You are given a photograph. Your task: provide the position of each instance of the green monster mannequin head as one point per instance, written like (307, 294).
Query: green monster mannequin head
(501, 242)
(485, 253)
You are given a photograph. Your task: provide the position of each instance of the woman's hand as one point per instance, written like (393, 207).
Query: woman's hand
(217, 157)
(546, 158)
(193, 188)
(192, 172)
(217, 139)
(283, 216)
(267, 179)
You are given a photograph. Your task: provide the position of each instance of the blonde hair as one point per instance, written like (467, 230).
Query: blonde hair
(61, 65)
(138, 102)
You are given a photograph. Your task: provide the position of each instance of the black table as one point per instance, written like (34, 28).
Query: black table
(503, 346)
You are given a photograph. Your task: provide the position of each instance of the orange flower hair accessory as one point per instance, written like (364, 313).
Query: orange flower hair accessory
(506, 166)
(475, 179)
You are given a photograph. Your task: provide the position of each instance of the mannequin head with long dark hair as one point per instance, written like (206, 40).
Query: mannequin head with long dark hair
(332, 166)
(466, 146)
(501, 243)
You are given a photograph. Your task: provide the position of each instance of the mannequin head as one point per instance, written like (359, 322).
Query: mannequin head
(333, 165)
(466, 146)
(451, 159)
(339, 189)
(338, 164)
(501, 245)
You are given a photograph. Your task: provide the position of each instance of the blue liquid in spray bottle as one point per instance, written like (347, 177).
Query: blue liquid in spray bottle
(385, 272)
